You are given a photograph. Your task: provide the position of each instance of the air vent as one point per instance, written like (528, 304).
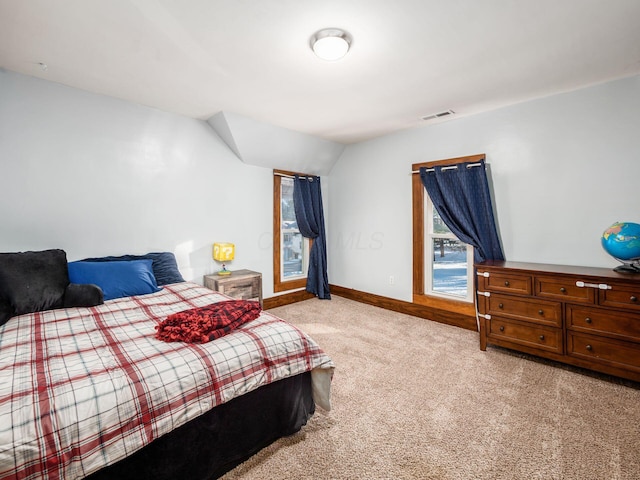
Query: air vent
(438, 115)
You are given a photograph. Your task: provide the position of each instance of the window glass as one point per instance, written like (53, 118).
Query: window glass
(293, 243)
(450, 267)
(447, 259)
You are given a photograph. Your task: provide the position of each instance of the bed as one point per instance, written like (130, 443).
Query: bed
(89, 391)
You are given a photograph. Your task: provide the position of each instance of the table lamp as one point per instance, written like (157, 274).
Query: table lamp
(223, 252)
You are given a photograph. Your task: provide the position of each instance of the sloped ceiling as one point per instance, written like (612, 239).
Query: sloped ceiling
(264, 145)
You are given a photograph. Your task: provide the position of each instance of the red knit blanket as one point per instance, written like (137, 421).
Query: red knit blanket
(203, 324)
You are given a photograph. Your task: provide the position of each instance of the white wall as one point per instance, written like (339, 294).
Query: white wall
(98, 176)
(563, 169)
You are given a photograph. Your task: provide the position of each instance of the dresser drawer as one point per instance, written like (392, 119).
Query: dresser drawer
(601, 321)
(508, 283)
(621, 296)
(563, 289)
(540, 311)
(615, 353)
(537, 336)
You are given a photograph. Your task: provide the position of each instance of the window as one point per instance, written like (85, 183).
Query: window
(290, 248)
(442, 265)
(448, 261)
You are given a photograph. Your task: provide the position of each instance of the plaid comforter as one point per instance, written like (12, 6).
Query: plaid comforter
(82, 388)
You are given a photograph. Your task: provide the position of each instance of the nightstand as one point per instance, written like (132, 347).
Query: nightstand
(241, 284)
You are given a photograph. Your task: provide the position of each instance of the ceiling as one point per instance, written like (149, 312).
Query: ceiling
(408, 59)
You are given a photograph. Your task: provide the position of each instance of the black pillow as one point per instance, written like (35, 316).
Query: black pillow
(6, 311)
(32, 281)
(165, 267)
(83, 295)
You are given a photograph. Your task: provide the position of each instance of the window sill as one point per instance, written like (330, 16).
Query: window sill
(449, 305)
(289, 285)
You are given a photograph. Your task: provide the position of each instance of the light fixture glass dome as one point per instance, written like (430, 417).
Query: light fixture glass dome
(330, 44)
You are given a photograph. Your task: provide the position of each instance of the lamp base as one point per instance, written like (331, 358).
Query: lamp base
(224, 271)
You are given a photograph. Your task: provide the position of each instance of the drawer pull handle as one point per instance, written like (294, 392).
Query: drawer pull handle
(589, 347)
(500, 305)
(502, 328)
(506, 283)
(587, 320)
(633, 298)
(563, 290)
(541, 338)
(540, 312)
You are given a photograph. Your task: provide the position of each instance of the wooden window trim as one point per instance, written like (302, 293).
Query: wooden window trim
(278, 284)
(418, 192)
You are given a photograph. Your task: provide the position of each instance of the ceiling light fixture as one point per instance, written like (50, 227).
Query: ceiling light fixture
(330, 44)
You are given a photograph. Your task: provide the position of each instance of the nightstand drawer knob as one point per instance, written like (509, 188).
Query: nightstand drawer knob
(633, 298)
(501, 328)
(540, 312)
(506, 283)
(541, 338)
(588, 320)
(563, 290)
(589, 347)
(500, 305)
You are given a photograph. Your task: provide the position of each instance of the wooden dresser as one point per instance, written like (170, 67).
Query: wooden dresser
(588, 317)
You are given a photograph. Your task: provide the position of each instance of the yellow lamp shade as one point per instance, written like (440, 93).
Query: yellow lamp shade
(223, 252)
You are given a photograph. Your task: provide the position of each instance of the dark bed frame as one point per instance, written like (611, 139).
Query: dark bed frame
(209, 446)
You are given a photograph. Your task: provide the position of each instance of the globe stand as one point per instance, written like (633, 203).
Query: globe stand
(627, 268)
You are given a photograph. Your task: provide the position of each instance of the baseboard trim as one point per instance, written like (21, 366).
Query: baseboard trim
(467, 322)
(435, 314)
(286, 299)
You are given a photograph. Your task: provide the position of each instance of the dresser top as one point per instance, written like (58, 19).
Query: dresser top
(561, 269)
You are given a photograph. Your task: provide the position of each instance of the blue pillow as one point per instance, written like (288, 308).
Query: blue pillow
(116, 279)
(165, 267)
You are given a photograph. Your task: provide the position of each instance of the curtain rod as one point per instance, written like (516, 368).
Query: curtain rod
(450, 167)
(291, 176)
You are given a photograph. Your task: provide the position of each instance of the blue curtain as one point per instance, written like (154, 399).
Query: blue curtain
(307, 202)
(461, 197)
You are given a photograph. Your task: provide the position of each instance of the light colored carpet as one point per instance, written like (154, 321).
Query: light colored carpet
(415, 399)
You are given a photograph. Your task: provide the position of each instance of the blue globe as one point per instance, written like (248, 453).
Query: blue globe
(622, 241)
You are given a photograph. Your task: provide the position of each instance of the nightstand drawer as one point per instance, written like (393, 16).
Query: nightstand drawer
(241, 284)
(245, 289)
